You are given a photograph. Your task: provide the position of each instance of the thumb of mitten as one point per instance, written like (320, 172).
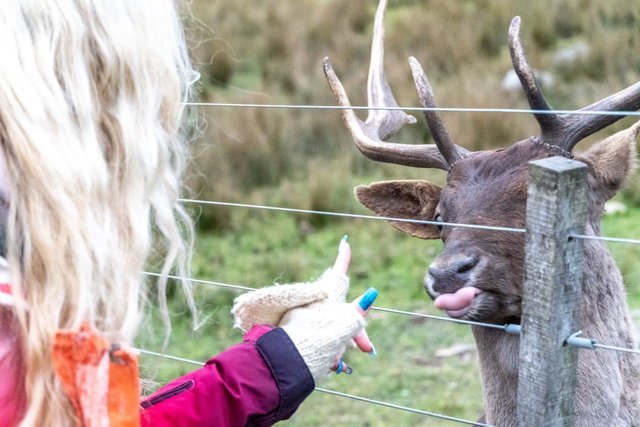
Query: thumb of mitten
(321, 332)
(266, 306)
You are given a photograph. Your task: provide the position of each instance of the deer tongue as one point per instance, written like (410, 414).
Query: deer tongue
(457, 304)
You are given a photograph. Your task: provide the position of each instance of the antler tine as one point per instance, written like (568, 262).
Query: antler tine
(565, 131)
(548, 122)
(421, 156)
(450, 151)
(379, 94)
(578, 127)
(381, 123)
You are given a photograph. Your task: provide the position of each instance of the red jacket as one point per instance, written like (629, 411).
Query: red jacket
(256, 383)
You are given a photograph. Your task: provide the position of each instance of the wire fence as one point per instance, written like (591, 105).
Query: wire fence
(574, 340)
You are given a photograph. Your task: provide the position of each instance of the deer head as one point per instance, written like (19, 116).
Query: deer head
(478, 274)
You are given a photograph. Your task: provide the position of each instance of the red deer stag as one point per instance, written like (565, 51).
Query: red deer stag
(479, 273)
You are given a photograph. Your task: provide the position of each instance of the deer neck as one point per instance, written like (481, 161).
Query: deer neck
(605, 318)
(498, 354)
(605, 315)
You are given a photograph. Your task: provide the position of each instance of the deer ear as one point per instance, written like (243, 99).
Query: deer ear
(612, 161)
(403, 199)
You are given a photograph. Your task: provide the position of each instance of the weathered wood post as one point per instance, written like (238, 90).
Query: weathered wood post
(556, 208)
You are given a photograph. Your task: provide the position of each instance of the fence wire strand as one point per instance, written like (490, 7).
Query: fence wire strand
(606, 239)
(614, 348)
(351, 215)
(334, 392)
(503, 327)
(168, 356)
(416, 109)
(402, 408)
(413, 221)
(507, 327)
(202, 282)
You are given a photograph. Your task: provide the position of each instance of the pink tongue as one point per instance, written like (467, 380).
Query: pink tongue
(458, 300)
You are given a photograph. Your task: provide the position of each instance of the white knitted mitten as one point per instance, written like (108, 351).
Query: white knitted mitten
(315, 316)
(266, 306)
(321, 332)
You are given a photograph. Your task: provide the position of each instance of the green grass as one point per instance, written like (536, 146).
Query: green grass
(270, 246)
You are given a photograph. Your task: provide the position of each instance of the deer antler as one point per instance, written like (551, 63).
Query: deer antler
(450, 151)
(370, 135)
(565, 131)
(531, 88)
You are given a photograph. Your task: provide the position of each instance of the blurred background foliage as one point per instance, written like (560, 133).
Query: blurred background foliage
(270, 52)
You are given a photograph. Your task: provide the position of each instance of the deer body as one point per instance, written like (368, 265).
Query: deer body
(479, 273)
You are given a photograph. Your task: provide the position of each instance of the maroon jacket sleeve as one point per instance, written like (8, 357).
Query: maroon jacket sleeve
(256, 383)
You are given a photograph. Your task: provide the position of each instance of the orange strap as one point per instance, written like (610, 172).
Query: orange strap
(100, 379)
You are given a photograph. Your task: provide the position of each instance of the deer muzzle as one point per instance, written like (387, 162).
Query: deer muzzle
(449, 282)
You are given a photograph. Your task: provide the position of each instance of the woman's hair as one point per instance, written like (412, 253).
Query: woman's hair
(91, 104)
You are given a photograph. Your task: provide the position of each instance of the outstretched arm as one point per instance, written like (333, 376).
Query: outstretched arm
(264, 379)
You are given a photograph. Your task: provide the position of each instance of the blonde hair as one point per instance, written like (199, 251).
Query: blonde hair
(90, 127)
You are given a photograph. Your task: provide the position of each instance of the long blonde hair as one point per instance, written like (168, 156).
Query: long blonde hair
(90, 126)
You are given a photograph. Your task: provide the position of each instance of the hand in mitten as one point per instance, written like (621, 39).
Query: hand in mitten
(321, 332)
(266, 306)
(315, 315)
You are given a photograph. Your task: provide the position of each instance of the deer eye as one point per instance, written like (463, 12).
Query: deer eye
(438, 218)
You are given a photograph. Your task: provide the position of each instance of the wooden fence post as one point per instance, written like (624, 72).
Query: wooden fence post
(556, 208)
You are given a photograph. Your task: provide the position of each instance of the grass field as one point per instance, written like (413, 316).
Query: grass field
(408, 370)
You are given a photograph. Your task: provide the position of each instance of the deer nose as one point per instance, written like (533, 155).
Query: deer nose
(451, 273)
